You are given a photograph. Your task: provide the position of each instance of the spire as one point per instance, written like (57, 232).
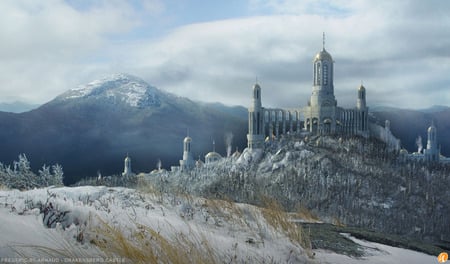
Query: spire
(323, 40)
(214, 145)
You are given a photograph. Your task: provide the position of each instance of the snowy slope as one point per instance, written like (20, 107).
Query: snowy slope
(127, 210)
(233, 232)
(117, 88)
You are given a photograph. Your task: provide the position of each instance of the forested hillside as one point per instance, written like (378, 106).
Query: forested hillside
(353, 181)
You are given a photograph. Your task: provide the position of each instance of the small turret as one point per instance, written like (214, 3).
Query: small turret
(127, 167)
(256, 96)
(361, 101)
(432, 152)
(187, 162)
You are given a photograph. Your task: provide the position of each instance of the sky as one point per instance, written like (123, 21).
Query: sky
(215, 51)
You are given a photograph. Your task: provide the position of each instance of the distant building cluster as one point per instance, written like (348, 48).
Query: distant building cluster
(432, 152)
(188, 162)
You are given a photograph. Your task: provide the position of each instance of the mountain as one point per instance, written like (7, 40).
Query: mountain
(17, 107)
(407, 125)
(435, 108)
(92, 128)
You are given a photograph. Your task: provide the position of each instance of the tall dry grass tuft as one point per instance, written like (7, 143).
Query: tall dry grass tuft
(275, 215)
(64, 251)
(149, 246)
(224, 210)
(304, 213)
(337, 222)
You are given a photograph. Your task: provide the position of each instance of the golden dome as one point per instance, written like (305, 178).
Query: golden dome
(323, 55)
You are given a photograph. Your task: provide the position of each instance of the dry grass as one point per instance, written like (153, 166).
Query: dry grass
(221, 210)
(64, 251)
(335, 221)
(275, 215)
(304, 213)
(149, 246)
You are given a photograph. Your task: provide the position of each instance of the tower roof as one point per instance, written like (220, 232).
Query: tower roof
(187, 139)
(432, 128)
(361, 88)
(323, 55)
(213, 154)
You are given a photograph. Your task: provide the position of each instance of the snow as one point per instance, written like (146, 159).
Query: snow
(118, 88)
(249, 155)
(376, 254)
(23, 231)
(231, 229)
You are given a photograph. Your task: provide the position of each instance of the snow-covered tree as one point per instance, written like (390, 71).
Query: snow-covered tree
(22, 177)
(57, 175)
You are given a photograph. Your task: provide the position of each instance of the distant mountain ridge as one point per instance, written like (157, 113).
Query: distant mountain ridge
(431, 109)
(92, 128)
(17, 107)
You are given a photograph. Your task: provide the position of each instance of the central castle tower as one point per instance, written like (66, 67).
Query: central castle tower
(322, 115)
(323, 88)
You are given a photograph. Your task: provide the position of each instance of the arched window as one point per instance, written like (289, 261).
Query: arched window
(319, 74)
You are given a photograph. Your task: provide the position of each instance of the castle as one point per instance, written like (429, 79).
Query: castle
(321, 116)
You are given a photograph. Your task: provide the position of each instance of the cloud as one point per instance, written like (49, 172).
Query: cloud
(48, 45)
(399, 49)
(392, 54)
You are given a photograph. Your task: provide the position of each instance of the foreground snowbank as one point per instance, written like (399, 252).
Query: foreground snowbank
(92, 222)
(80, 216)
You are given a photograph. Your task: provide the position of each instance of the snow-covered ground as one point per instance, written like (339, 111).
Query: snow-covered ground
(376, 253)
(237, 233)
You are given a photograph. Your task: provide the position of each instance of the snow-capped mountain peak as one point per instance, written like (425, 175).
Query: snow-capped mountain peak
(117, 88)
